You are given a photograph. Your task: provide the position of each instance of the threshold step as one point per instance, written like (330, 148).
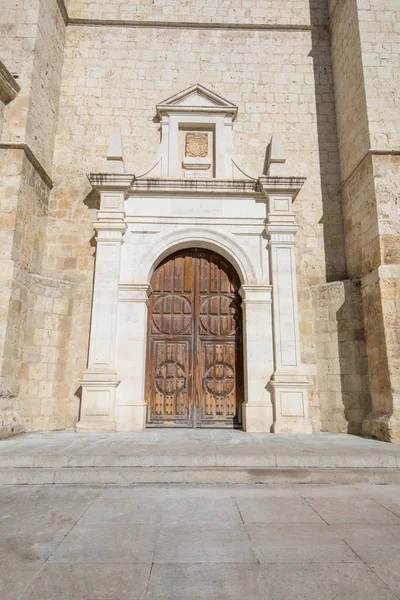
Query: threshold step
(197, 475)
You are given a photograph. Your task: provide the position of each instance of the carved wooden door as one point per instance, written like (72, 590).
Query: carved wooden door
(194, 359)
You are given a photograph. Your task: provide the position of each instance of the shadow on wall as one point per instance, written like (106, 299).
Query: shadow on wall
(342, 363)
(332, 219)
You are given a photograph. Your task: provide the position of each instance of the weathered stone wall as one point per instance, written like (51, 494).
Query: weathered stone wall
(23, 205)
(380, 39)
(352, 123)
(44, 395)
(46, 82)
(365, 42)
(203, 11)
(2, 113)
(342, 362)
(31, 40)
(31, 45)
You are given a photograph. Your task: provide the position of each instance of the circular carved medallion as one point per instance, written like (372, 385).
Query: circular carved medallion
(219, 315)
(170, 378)
(219, 380)
(172, 315)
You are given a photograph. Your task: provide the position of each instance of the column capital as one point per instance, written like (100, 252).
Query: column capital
(282, 233)
(281, 185)
(256, 294)
(134, 292)
(110, 230)
(103, 182)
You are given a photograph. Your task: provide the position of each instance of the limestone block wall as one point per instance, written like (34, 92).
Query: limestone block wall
(31, 41)
(353, 133)
(380, 39)
(365, 42)
(31, 45)
(23, 204)
(202, 11)
(342, 362)
(113, 77)
(44, 395)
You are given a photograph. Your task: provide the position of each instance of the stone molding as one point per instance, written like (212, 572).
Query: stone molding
(134, 292)
(192, 186)
(32, 159)
(193, 25)
(205, 238)
(370, 152)
(256, 294)
(381, 272)
(63, 11)
(9, 88)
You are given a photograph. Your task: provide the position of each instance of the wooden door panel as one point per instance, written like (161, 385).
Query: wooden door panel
(171, 315)
(219, 316)
(194, 367)
(170, 382)
(219, 384)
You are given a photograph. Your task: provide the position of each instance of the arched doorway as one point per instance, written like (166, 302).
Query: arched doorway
(194, 369)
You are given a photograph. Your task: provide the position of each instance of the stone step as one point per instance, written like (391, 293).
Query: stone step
(196, 475)
(233, 458)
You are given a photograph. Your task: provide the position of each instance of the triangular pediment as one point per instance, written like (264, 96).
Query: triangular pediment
(197, 96)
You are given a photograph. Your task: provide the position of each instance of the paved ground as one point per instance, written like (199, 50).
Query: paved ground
(187, 542)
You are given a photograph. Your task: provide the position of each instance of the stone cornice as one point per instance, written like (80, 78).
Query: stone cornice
(9, 88)
(194, 25)
(195, 186)
(131, 185)
(111, 181)
(291, 185)
(32, 159)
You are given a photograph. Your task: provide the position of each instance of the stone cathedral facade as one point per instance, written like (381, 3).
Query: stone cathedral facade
(200, 215)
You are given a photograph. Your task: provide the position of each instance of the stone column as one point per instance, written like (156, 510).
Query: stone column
(100, 379)
(289, 382)
(257, 409)
(130, 406)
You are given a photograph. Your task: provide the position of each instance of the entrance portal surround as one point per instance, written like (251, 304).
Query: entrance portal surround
(139, 223)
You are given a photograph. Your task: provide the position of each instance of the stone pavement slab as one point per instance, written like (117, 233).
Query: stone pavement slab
(195, 542)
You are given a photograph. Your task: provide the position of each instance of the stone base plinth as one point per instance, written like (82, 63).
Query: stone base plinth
(290, 392)
(292, 426)
(98, 401)
(257, 419)
(131, 418)
(95, 427)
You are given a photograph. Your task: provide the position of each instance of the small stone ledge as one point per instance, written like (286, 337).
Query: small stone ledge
(193, 25)
(9, 88)
(63, 11)
(32, 159)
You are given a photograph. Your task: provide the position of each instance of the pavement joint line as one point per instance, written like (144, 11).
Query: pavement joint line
(350, 548)
(21, 595)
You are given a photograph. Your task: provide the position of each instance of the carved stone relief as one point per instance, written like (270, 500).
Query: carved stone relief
(196, 145)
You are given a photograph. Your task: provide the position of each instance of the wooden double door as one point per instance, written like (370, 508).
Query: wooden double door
(194, 349)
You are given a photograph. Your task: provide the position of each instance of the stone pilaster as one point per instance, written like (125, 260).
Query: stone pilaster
(100, 379)
(289, 382)
(131, 408)
(257, 410)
